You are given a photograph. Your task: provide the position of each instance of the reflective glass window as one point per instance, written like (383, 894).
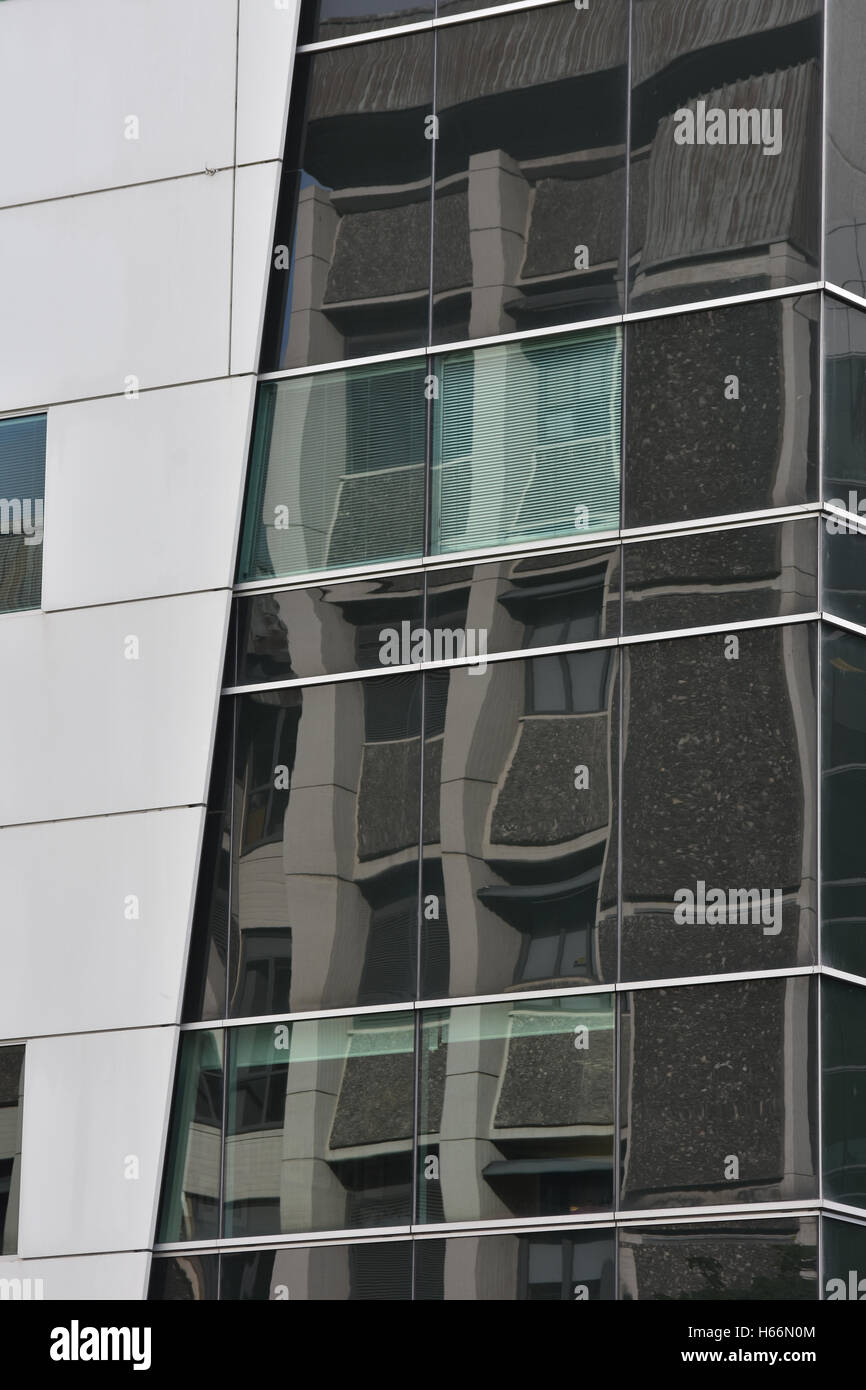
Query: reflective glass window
(541, 1267)
(530, 170)
(844, 1261)
(516, 1109)
(844, 410)
(543, 600)
(351, 260)
(337, 471)
(721, 412)
(845, 161)
(740, 574)
(206, 979)
(190, 1206)
(725, 190)
(22, 511)
(380, 1270)
(719, 1093)
(719, 803)
(737, 1261)
(844, 1091)
(336, 19)
(319, 1125)
(526, 441)
(184, 1278)
(843, 822)
(326, 846)
(520, 778)
(11, 1107)
(287, 634)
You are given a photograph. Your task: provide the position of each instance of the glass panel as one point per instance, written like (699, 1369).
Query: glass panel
(719, 1094)
(11, 1108)
(844, 1260)
(843, 824)
(369, 1270)
(319, 1130)
(516, 1109)
(520, 808)
(326, 845)
(719, 801)
(721, 412)
(545, 600)
(337, 471)
(527, 442)
(184, 1278)
(725, 148)
(335, 19)
(844, 1091)
(327, 630)
(205, 997)
(189, 1209)
(737, 1261)
(844, 572)
(844, 410)
(544, 1267)
(351, 265)
(22, 511)
(736, 575)
(530, 170)
(845, 160)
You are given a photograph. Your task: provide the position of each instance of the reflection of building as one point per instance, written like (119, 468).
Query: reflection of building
(461, 1044)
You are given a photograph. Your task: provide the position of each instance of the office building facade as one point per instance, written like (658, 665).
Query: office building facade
(434, 605)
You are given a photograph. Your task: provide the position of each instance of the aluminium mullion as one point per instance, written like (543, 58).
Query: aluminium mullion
(561, 330)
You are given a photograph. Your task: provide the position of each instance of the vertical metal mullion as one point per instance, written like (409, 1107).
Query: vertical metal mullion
(823, 127)
(226, 1032)
(416, 1111)
(430, 361)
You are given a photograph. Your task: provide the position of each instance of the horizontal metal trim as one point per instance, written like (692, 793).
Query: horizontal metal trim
(344, 364)
(256, 1019)
(21, 412)
(744, 625)
(855, 1215)
(682, 1216)
(833, 620)
(724, 302)
(837, 292)
(527, 335)
(419, 26)
(566, 545)
(625, 1220)
(559, 330)
(512, 1224)
(846, 976)
(511, 997)
(522, 654)
(232, 1243)
(855, 524)
(489, 659)
(310, 580)
(727, 520)
(633, 986)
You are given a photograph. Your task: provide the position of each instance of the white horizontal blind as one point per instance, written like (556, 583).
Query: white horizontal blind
(527, 441)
